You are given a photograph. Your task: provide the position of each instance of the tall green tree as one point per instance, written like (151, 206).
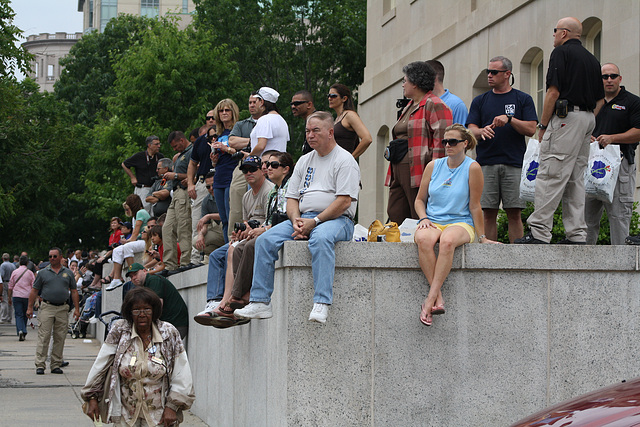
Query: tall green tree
(12, 56)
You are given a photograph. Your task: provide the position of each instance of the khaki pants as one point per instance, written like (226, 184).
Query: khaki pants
(196, 214)
(564, 153)
(212, 240)
(52, 318)
(177, 229)
(236, 191)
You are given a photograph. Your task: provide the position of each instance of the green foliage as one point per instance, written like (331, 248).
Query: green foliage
(12, 55)
(558, 232)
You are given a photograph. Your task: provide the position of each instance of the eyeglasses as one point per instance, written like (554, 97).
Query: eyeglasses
(297, 103)
(209, 118)
(249, 169)
(332, 95)
(147, 311)
(273, 165)
(53, 256)
(208, 186)
(452, 142)
(144, 231)
(556, 30)
(612, 76)
(224, 110)
(494, 72)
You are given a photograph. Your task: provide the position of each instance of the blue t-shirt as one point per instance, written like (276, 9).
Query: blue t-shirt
(507, 147)
(448, 200)
(225, 165)
(458, 109)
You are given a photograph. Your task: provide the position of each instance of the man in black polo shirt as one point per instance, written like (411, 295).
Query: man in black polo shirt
(145, 163)
(53, 283)
(174, 309)
(617, 123)
(574, 79)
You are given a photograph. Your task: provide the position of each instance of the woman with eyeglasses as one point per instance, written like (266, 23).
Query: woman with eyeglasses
(141, 377)
(417, 139)
(448, 204)
(226, 114)
(348, 130)
(240, 260)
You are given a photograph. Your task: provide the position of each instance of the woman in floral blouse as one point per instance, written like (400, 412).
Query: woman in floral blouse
(142, 372)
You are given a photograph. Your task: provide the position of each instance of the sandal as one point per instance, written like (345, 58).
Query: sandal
(237, 303)
(224, 311)
(429, 318)
(106, 280)
(206, 318)
(437, 309)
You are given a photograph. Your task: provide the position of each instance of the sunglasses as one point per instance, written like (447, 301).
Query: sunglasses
(249, 169)
(555, 30)
(297, 103)
(494, 72)
(333, 95)
(208, 186)
(53, 256)
(209, 118)
(224, 110)
(612, 76)
(273, 165)
(147, 311)
(452, 142)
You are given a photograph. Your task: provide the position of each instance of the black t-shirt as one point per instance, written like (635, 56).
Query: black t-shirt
(201, 154)
(576, 73)
(618, 116)
(145, 166)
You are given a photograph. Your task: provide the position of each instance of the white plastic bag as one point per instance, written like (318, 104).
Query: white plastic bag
(530, 166)
(408, 229)
(602, 171)
(360, 233)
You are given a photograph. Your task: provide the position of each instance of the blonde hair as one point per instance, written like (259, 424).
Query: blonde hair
(235, 113)
(465, 133)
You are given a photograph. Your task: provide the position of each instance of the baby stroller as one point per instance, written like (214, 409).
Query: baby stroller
(115, 315)
(78, 329)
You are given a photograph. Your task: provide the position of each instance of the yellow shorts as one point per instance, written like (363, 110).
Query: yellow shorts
(470, 229)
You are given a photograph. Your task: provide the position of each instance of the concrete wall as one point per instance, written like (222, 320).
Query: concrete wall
(526, 327)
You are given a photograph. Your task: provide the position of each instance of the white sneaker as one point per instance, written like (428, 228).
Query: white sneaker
(255, 310)
(319, 313)
(115, 284)
(211, 305)
(93, 319)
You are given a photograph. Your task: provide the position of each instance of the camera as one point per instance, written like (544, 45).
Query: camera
(241, 226)
(240, 154)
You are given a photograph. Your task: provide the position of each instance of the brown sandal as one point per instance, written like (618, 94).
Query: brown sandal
(237, 303)
(224, 311)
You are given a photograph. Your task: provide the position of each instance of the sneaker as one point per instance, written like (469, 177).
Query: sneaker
(529, 239)
(57, 371)
(255, 310)
(319, 313)
(211, 305)
(93, 319)
(115, 284)
(632, 240)
(40, 371)
(21, 336)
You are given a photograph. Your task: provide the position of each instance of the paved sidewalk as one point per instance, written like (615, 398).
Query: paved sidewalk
(28, 400)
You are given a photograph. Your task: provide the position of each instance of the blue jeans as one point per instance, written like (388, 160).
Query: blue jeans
(217, 272)
(323, 257)
(20, 306)
(222, 201)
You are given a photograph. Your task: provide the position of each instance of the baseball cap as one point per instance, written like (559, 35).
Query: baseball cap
(135, 267)
(268, 94)
(251, 161)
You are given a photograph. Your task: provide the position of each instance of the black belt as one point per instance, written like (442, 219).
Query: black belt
(53, 303)
(578, 107)
(143, 186)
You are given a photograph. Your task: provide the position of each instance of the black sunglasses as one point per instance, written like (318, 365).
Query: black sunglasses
(555, 30)
(53, 256)
(613, 76)
(452, 142)
(494, 72)
(208, 186)
(209, 118)
(296, 103)
(332, 95)
(273, 165)
(249, 169)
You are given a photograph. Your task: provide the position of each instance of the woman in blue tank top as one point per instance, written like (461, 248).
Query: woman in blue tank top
(448, 204)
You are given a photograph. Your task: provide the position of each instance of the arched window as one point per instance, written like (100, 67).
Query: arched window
(592, 36)
(480, 85)
(532, 76)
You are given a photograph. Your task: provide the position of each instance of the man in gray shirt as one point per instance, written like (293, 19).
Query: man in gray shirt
(6, 269)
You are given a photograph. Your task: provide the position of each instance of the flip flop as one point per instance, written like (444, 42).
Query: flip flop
(437, 309)
(429, 320)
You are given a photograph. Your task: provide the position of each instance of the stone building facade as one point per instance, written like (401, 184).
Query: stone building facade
(48, 50)
(464, 35)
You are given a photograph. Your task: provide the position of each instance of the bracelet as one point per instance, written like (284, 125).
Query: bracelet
(481, 237)
(420, 220)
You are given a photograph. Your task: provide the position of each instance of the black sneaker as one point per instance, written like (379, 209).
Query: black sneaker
(566, 241)
(63, 364)
(57, 371)
(529, 239)
(21, 336)
(632, 240)
(40, 371)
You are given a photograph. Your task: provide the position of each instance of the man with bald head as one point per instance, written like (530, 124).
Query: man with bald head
(574, 97)
(617, 123)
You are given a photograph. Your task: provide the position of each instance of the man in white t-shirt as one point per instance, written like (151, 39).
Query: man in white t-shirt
(321, 203)
(271, 131)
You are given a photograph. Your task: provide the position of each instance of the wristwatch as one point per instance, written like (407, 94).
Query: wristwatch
(541, 126)
(317, 220)
(509, 117)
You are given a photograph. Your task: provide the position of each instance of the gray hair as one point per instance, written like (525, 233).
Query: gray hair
(420, 74)
(151, 138)
(322, 116)
(165, 162)
(506, 62)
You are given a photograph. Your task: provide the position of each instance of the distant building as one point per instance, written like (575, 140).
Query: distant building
(98, 12)
(48, 50)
